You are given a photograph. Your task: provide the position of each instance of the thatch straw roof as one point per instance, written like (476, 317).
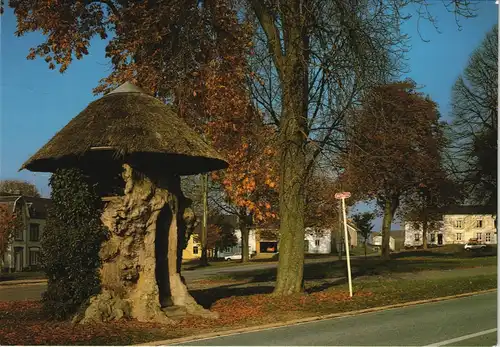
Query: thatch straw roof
(127, 124)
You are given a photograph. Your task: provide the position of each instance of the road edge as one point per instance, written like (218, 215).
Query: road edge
(308, 320)
(14, 283)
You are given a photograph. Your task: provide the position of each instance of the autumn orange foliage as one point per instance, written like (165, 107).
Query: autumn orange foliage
(190, 54)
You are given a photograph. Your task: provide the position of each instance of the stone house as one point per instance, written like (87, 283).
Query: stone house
(458, 225)
(23, 252)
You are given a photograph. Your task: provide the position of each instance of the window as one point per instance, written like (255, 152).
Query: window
(459, 236)
(458, 223)
(19, 234)
(195, 249)
(488, 237)
(479, 222)
(479, 236)
(433, 237)
(316, 243)
(34, 232)
(306, 246)
(34, 257)
(417, 237)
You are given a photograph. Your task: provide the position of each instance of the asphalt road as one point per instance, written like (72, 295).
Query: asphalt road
(469, 321)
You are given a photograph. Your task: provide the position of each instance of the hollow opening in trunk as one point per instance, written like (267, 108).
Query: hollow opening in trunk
(161, 254)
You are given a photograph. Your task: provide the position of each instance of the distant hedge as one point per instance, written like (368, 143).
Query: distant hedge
(70, 244)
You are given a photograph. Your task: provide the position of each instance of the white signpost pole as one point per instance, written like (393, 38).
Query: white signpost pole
(343, 196)
(347, 246)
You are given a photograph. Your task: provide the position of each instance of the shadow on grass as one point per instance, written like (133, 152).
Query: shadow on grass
(207, 297)
(195, 264)
(328, 285)
(371, 267)
(335, 273)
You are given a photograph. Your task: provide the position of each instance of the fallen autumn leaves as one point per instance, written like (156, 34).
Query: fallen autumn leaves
(245, 303)
(22, 322)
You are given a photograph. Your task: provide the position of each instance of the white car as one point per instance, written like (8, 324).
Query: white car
(232, 257)
(474, 244)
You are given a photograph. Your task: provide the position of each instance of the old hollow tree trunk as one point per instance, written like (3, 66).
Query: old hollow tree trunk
(141, 260)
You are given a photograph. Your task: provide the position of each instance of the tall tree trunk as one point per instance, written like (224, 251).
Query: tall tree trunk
(290, 54)
(365, 248)
(425, 223)
(390, 206)
(292, 181)
(425, 227)
(245, 254)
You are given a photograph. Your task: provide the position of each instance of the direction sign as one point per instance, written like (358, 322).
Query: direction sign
(343, 195)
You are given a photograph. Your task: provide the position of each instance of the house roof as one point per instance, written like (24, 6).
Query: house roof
(468, 209)
(352, 225)
(37, 207)
(128, 124)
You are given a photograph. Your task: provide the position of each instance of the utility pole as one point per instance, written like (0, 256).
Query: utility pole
(204, 184)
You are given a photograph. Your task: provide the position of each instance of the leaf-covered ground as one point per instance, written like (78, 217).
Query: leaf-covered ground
(239, 305)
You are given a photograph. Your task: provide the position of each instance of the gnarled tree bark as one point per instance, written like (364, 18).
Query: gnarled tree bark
(140, 273)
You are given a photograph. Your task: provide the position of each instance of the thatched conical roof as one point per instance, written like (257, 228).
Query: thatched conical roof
(127, 124)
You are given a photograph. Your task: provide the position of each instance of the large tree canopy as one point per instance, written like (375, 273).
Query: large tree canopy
(475, 122)
(395, 145)
(315, 58)
(19, 187)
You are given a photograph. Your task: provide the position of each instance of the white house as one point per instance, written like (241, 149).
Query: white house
(319, 241)
(458, 225)
(376, 241)
(266, 240)
(23, 252)
(252, 244)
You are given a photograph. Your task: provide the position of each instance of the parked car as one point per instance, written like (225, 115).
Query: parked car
(232, 257)
(474, 244)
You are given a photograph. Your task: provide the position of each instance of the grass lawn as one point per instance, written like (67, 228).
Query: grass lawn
(370, 267)
(195, 264)
(246, 301)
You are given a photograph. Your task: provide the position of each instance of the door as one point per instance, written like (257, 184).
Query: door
(440, 239)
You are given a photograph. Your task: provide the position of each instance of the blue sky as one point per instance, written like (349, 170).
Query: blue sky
(37, 102)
